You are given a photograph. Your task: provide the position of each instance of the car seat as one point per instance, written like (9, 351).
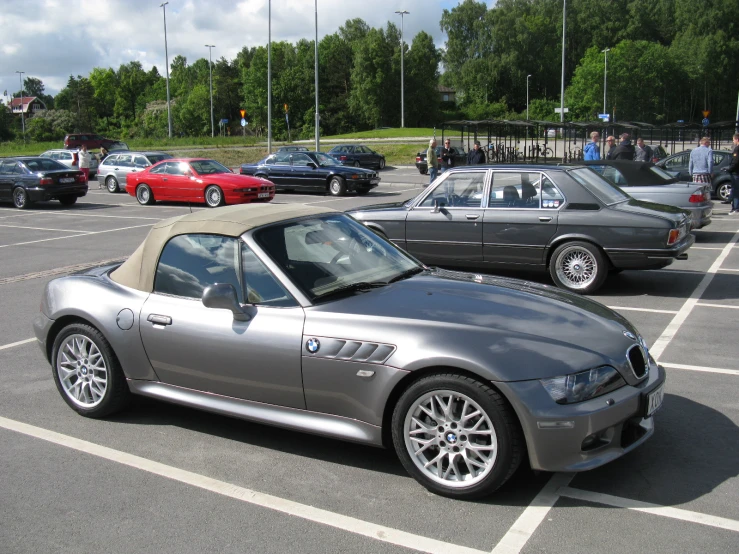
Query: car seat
(510, 195)
(528, 194)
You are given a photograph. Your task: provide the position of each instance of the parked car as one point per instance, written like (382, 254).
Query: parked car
(300, 317)
(648, 182)
(71, 159)
(116, 166)
(460, 158)
(196, 180)
(567, 220)
(312, 171)
(678, 164)
(26, 179)
(358, 156)
(91, 140)
(292, 149)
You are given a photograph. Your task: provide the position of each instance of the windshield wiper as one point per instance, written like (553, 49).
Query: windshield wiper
(406, 274)
(361, 286)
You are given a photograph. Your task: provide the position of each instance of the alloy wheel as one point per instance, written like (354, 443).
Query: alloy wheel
(82, 371)
(112, 184)
(576, 267)
(20, 198)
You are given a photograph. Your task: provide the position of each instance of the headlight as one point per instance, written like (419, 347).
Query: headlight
(585, 385)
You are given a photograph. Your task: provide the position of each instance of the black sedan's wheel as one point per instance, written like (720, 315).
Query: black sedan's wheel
(423, 171)
(456, 436)
(87, 372)
(578, 267)
(68, 200)
(214, 196)
(337, 187)
(723, 190)
(20, 198)
(356, 164)
(382, 163)
(144, 195)
(111, 184)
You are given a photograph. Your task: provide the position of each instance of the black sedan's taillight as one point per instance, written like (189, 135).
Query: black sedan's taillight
(46, 181)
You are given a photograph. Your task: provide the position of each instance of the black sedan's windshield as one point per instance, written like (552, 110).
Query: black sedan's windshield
(333, 253)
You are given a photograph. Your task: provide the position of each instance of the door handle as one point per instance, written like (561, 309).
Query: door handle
(472, 217)
(164, 178)
(159, 319)
(545, 219)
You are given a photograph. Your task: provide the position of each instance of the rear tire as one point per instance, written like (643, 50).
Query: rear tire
(144, 195)
(382, 163)
(68, 200)
(214, 196)
(336, 186)
(20, 198)
(423, 171)
(723, 191)
(111, 184)
(578, 267)
(356, 164)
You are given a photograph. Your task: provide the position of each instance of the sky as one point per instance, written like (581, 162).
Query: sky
(53, 39)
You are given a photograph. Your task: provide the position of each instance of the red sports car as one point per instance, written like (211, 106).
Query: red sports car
(197, 180)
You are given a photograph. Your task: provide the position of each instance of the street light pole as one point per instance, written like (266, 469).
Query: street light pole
(166, 66)
(269, 78)
(23, 121)
(402, 68)
(605, 79)
(562, 89)
(318, 131)
(210, 69)
(527, 96)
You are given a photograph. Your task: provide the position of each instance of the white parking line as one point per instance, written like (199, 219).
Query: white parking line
(655, 509)
(642, 310)
(77, 214)
(674, 326)
(706, 247)
(520, 532)
(19, 343)
(727, 269)
(82, 234)
(310, 513)
(706, 304)
(700, 368)
(45, 229)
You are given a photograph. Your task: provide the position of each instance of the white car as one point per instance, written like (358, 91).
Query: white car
(71, 159)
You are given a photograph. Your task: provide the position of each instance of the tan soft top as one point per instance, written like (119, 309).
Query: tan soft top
(138, 271)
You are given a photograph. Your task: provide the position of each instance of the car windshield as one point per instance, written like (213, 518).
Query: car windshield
(154, 158)
(334, 253)
(44, 164)
(209, 167)
(598, 186)
(324, 160)
(662, 174)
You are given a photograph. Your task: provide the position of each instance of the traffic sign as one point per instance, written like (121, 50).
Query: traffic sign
(604, 116)
(559, 110)
(706, 113)
(243, 113)
(705, 121)
(681, 121)
(243, 122)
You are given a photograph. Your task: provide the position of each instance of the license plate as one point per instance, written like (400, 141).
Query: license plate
(263, 195)
(654, 400)
(374, 181)
(66, 180)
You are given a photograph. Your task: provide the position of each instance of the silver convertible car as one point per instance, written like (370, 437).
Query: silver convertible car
(303, 318)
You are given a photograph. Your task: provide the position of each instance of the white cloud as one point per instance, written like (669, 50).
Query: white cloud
(65, 37)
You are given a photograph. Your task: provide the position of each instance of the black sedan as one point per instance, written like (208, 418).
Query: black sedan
(567, 220)
(358, 156)
(678, 164)
(312, 171)
(25, 180)
(460, 158)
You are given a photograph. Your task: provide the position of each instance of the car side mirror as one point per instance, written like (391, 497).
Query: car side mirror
(312, 164)
(222, 296)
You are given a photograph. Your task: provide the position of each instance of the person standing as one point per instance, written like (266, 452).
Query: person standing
(476, 155)
(733, 170)
(643, 152)
(592, 150)
(625, 150)
(700, 166)
(447, 156)
(431, 161)
(611, 145)
(85, 162)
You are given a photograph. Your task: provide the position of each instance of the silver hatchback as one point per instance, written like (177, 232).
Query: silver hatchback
(114, 168)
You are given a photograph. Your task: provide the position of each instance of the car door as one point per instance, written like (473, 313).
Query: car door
(521, 217)
(179, 183)
(206, 349)
(279, 169)
(305, 173)
(445, 227)
(123, 166)
(7, 168)
(678, 165)
(157, 179)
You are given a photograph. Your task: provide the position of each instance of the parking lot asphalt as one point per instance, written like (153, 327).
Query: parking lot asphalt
(165, 478)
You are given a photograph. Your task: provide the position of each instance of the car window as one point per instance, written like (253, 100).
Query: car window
(458, 190)
(207, 167)
(514, 189)
(551, 198)
(154, 158)
(161, 168)
(718, 157)
(175, 168)
(610, 173)
(280, 158)
(125, 160)
(603, 190)
(9, 167)
(66, 156)
(262, 287)
(140, 161)
(47, 155)
(677, 162)
(189, 263)
(110, 159)
(301, 159)
(664, 177)
(44, 164)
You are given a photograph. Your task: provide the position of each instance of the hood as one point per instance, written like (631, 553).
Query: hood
(506, 329)
(662, 211)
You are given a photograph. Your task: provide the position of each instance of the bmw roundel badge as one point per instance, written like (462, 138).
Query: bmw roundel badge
(312, 346)
(629, 335)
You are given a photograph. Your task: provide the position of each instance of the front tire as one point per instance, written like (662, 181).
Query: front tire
(382, 163)
(20, 198)
(87, 372)
(356, 164)
(456, 436)
(578, 267)
(214, 196)
(111, 184)
(336, 186)
(144, 195)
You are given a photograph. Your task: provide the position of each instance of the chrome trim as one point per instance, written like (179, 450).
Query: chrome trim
(646, 361)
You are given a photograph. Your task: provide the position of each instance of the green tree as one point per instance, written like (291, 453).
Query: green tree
(421, 81)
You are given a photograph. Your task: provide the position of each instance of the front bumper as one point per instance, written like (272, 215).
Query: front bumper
(361, 184)
(54, 192)
(619, 427)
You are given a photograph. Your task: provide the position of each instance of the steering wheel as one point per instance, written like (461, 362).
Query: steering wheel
(337, 257)
(454, 200)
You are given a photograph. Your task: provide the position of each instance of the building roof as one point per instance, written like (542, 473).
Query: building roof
(442, 88)
(16, 102)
